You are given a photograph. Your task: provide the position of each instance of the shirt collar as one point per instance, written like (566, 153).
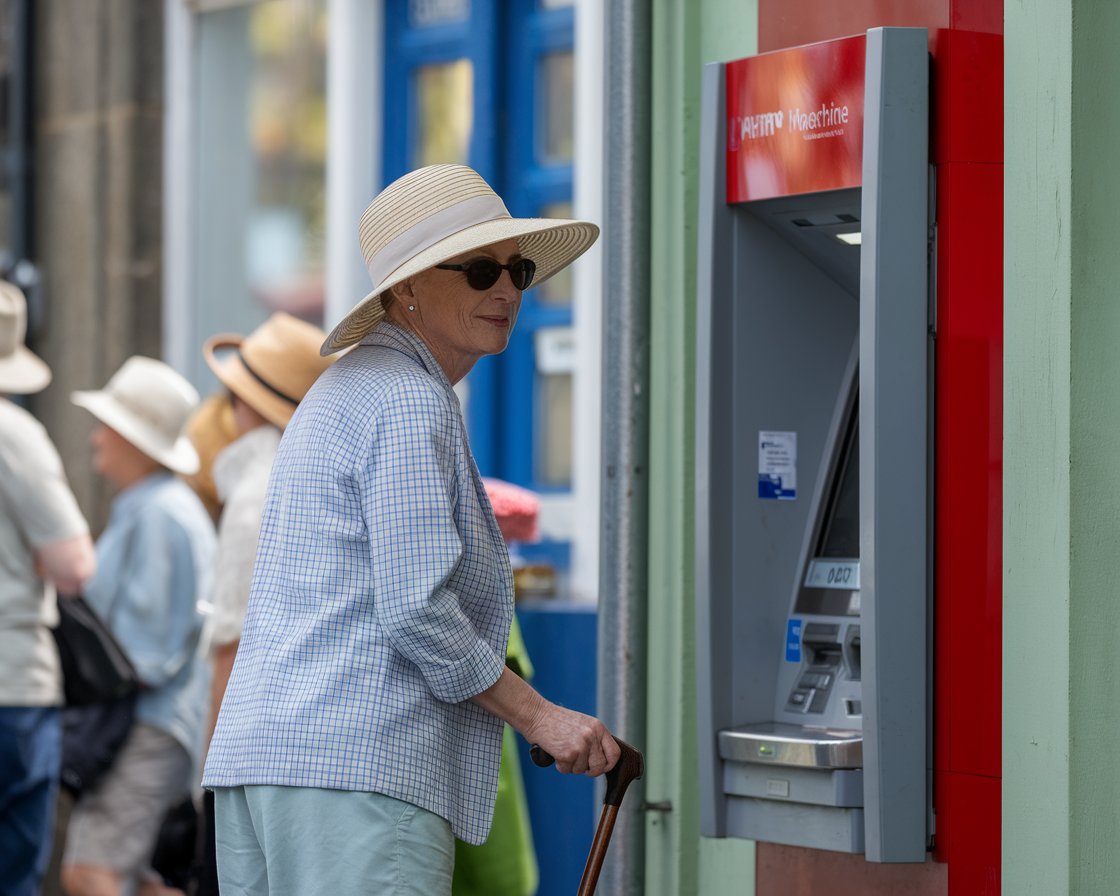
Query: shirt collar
(133, 497)
(405, 341)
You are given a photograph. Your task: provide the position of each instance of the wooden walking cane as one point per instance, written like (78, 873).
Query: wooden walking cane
(630, 766)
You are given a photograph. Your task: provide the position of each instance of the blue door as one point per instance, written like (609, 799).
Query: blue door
(490, 84)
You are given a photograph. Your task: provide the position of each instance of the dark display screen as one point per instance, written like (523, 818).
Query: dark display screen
(831, 588)
(840, 535)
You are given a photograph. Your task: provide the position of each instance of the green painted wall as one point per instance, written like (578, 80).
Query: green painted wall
(685, 36)
(1061, 802)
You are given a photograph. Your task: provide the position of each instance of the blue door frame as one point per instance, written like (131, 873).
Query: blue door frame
(504, 43)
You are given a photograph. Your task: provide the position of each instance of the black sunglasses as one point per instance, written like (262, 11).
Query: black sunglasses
(482, 273)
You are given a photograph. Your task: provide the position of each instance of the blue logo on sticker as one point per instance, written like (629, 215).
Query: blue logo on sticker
(793, 641)
(773, 488)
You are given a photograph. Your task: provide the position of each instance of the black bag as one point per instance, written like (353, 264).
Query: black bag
(94, 667)
(101, 686)
(92, 736)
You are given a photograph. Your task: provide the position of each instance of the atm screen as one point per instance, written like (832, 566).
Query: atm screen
(831, 585)
(840, 534)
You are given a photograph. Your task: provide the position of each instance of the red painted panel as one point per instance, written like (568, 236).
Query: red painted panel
(795, 121)
(974, 840)
(968, 470)
(787, 23)
(967, 97)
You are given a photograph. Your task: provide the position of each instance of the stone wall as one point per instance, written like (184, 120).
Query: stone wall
(98, 114)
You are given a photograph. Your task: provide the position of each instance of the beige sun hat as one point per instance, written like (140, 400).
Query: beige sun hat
(272, 368)
(148, 404)
(435, 213)
(21, 371)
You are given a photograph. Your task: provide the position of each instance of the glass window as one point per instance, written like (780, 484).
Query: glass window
(556, 291)
(554, 430)
(260, 165)
(445, 112)
(554, 348)
(557, 137)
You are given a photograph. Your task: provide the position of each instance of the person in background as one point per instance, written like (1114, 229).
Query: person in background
(361, 730)
(266, 373)
(44, 546)
(210, 428)
(154, 563)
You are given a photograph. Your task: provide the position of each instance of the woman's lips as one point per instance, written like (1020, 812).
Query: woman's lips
(502, 322)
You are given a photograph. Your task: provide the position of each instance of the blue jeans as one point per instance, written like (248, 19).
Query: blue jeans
(30, 754)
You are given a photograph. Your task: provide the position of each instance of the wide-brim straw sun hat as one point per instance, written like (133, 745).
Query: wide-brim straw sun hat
(148, 404)
(435, 213)
(272, 368)
(22, 372)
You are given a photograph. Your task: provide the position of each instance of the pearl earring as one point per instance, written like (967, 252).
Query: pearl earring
(411, 307)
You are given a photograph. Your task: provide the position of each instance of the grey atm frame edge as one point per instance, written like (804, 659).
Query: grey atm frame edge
(894, 445)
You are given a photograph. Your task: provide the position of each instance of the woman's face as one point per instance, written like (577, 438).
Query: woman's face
(117, 459)
(460, 324)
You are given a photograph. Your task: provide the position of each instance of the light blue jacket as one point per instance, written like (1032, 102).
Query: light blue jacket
(153, 568)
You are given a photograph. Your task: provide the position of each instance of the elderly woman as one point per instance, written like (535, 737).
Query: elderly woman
(362, 725)
(153, 562)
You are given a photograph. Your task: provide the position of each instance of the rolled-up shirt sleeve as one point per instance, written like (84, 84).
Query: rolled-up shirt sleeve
(408, 494)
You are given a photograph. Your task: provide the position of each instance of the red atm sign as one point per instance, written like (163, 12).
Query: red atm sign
(795, 120)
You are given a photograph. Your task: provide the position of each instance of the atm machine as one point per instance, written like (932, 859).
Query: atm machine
(813, 507)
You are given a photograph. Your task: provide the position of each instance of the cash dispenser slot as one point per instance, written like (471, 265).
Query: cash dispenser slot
(777, 743)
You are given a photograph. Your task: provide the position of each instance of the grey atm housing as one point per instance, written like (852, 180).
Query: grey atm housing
(798, 332)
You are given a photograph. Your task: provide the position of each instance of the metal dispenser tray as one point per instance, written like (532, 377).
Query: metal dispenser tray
(775, 743)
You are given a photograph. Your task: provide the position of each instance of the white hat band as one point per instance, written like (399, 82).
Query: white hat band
(432, 229)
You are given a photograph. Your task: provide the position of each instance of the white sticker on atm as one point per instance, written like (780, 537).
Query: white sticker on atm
(777, 465)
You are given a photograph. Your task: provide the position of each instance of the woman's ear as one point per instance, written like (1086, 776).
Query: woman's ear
(402, 291)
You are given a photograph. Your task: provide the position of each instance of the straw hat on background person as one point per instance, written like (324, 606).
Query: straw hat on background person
(22, 372)
(147, 403)
(272, 368)
(432, 214)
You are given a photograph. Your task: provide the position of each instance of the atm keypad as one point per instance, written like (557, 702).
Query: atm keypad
(801, 699)
(810, 694)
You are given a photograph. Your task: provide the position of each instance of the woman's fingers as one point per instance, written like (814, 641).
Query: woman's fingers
(581, 744)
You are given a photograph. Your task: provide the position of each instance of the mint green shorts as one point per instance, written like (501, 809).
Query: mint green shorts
(294, 841)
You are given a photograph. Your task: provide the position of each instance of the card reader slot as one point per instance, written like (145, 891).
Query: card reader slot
(852, 653)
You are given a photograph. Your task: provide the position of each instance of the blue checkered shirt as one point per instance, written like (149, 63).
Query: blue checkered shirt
(381, 599)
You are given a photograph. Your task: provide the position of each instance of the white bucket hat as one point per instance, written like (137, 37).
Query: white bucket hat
(435, 213)
(148, 404)
(21, 371)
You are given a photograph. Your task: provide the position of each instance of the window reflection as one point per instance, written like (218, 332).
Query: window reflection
(557, 290)
(445, 112)
(554, 430)
(287, 231)
(557, 137)
(260, 189)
